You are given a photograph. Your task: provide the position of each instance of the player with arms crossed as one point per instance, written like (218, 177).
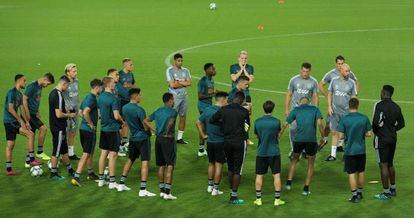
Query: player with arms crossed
(353, 128)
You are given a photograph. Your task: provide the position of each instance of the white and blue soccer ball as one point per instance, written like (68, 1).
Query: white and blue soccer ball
(213, 6)
(36, 171)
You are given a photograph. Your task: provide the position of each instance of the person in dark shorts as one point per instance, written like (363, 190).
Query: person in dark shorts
(15, 124)
(31, 102)
(267, 130)
(353, 128)
(139, 145)
(388, 120)
(165, 145)
(235, 123)
(307, 118)
(58, 117)
(89, 108)
(111, 122)
(215, 143)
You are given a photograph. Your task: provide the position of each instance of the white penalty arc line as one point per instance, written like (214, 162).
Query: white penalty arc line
(169, 56)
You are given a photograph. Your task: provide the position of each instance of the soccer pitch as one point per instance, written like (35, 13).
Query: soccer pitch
(375, 36)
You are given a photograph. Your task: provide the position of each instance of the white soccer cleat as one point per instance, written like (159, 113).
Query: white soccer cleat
(113, 185)
(169, 197)
(145, 193)
(102, 183)
(123, 187)
(209, 189)
(121, 153)
(162, 194)
(204, 153)
(216, 192)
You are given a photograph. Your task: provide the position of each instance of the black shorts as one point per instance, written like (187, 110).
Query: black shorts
(109, 141)
(386, 153)
(88, 141)
(215, 152)
(248, 99)
(12, 129)
(235, 154)
(310, 147)
(263, 163)
(35, 122)
(165, 151)
(60, 144)
(140, 148)
(354, 163)
(123, 103)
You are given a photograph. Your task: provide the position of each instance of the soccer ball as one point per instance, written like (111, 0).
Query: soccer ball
(49, 164)
(36, 171)
(213, 6)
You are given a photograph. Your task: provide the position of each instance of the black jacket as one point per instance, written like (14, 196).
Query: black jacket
(388, 119)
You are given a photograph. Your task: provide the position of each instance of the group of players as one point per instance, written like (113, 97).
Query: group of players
(223, 127)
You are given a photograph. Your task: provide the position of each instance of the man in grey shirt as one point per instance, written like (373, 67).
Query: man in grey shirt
(302, 85)
(179, 78)
(71, 97)
(339, 60)
(341, 90)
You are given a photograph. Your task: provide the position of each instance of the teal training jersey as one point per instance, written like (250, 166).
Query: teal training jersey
(14, 97)
(306, 117)
(214, 133)
(107, 104)
(162, 117)
(34, 93)
(354, 125)
(267, 129)
(90, 101)
(134, 116)
(206, 87)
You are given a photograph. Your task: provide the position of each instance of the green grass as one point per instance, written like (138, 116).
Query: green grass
(98, 34)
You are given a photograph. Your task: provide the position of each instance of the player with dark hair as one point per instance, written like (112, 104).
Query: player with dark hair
(89, 108)
(58, 116)
(178, 79)
(235, 123)
(15, 124)
(267, 130)
(353, 128)
(242, 84)
(206, 93)
(215, 143)
(165, 145)
(31, 102)
(308, 118)
(388, 120)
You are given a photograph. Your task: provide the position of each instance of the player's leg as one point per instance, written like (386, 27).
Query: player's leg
(219, 159)
(113, 155)
(102, 165)
(201, 150)
(159, 159)
(65, 156)
(72, 128)
(309, 174)
(391, 170)
(86, 142)
(169, 152)
(332, 156)
(239, 152)
(133, 152)
(40, 142)
(326, 132)
(9, 152)
(383, 164)
(144, 177)
(292, 131)
(297, 149)
(29, 135)
(361, 180)
(210, 175)
(181, 108)
(352, 178)
(275, 166)
(217, 179)
(161, 183)
(168, 183)
(181, 127)
(261, 169)
(89, 163)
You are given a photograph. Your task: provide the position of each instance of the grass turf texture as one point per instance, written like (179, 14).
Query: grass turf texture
(96, 35)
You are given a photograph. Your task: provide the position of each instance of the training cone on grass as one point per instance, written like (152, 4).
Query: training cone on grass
(281, 2)
(260, 27)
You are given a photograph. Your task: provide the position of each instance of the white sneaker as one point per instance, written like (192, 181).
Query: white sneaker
(209, 189)
(162, 194)
(113, 185)
(250, 142)
(204, 153)
(123, 187)
(216, 192)
(145, 193)
(169, 197)
(102, 183)
(121, 153)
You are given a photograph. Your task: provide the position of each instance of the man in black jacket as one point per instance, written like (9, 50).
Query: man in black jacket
(235, 123)
(388, 119)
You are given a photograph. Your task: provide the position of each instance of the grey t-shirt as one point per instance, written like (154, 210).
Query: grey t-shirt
(302, 88)
(342, 91)
(334, 73)
(71, 95)
(175, 74)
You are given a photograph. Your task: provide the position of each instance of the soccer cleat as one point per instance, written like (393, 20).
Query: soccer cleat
(383, 196)
(93, 177)
(113, 185)
(181, 141)
(330, 158)
(288, 187)
(12, 173)
(279, 202)
(209, 189)
(145, 193)
(354, 199)
(306, 193)
(340, 149)
(249, 142)
(237, 201)
(169, 197)
(26, 165)
(122, 187)
(102, 183)
(56, 177)
(204, 153)
(76, 182)
(74, 157)
(360, 197)
(162, 194)
(121, 153)
(393, 192)
(258, 202)
(216, 192)
(35, 163)
(43, 156)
